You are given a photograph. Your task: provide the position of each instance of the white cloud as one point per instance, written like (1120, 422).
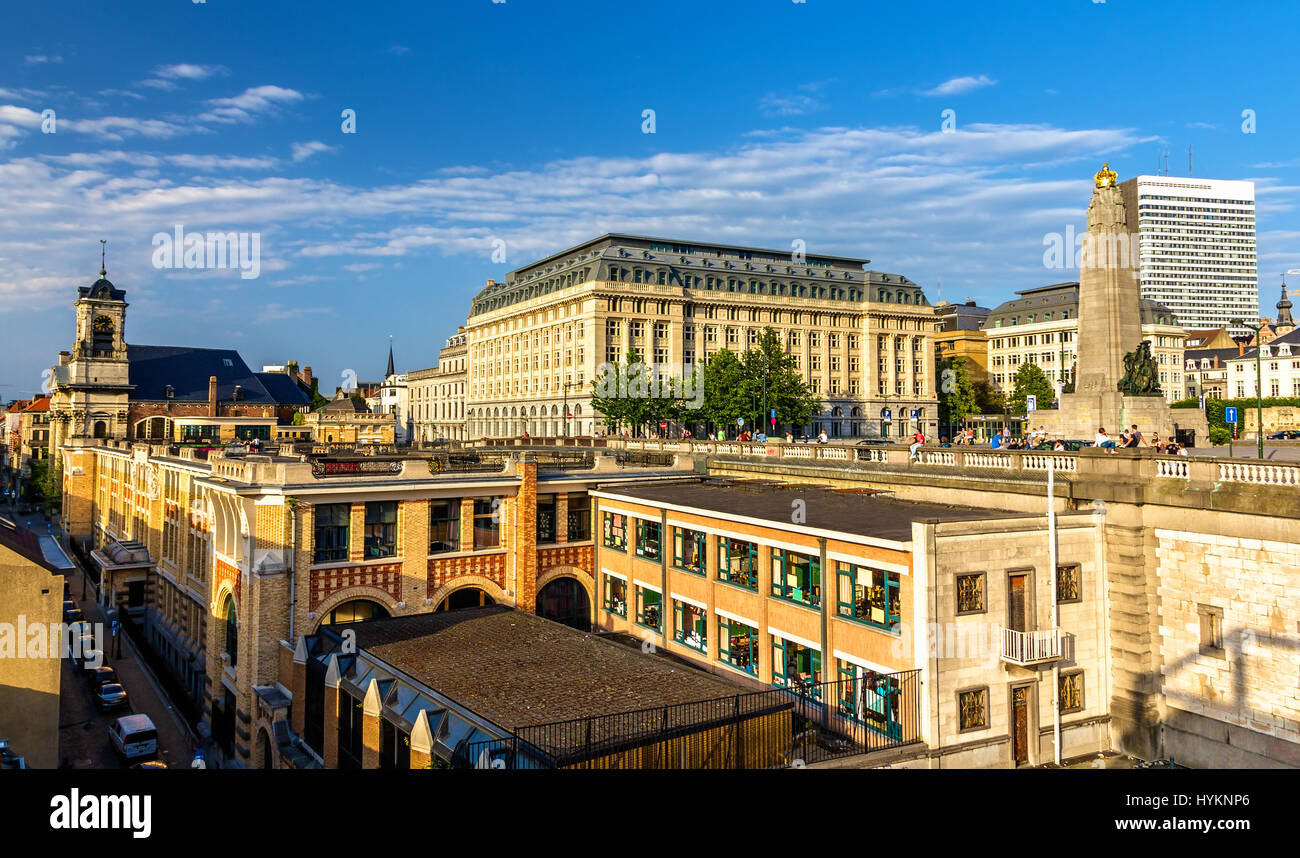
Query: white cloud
(772, 104)
(249, 104)
(303, 151)
(165, 77)
(41, 59)
(960, 85)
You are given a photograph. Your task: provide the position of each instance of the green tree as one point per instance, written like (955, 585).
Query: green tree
(1029, 380)
(632, 393)
(317, 401)
(45, 484)
(956, 392)
(771, 376)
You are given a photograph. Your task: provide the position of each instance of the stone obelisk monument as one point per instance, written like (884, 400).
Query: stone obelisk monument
(1111, 364)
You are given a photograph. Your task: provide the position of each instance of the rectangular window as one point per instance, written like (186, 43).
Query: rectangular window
(332, 525)
(796, 667)
(614, 531)
(545, 519)
(973, 709)
(381, 529)
(738, 562)
(738, 645)
(487, 523)
(797, 577)
(1211, 629)
(870, 596)
(869, 698)
(970, 593)
(688, 550)
(616, 595)
(444, 525)
(579, 516)
(690, 626)
(648, 606)
(647, 539)
(1069, 583)
(1071, 691)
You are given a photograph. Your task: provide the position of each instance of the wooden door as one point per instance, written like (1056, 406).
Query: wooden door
(1018, 603)
(1020, 725)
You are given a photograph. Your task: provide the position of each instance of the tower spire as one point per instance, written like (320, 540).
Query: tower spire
(390, 371)
(103, 272)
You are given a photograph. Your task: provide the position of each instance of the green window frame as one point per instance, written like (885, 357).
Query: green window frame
(869, 698)
(738, 645)
(616, 596)
(690, 626)
(614, 531)
(796, 667)
(689, 551)
(649, 609)
(738, 562)
(444, 525)
(797, 577)
(870, 596)
(332, 522)
(648, 541)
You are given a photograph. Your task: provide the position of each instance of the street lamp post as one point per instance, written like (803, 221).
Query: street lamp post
(1259, 385)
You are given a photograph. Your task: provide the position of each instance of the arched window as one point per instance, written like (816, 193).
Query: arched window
(101, 429)
(356, 611)
(232, 631)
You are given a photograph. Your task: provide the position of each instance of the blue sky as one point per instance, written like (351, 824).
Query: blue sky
(523, 122)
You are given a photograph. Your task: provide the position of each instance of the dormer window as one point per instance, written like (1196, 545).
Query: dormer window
(169, 392)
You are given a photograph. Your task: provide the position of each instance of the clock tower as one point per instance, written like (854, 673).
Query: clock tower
(90, 386)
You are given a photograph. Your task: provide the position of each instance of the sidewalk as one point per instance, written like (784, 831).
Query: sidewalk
(175, 741)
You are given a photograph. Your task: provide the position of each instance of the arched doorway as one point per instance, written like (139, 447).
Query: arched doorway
(565, 601)
(466, 597)
(356, 611)
(268, 761)
(100, 430)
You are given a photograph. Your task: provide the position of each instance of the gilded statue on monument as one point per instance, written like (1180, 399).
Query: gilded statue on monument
(1141, 376)
(1106, 177)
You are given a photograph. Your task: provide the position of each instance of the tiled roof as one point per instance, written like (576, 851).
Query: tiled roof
(24, 543)
(517, 669)
(42, 404)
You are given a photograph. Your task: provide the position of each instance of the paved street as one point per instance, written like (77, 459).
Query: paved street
(83, 731)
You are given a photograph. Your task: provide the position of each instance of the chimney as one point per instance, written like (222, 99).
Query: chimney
(212, 396)
(306, 376)
(1241, 347)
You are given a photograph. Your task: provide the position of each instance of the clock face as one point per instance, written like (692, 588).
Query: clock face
(103, 324)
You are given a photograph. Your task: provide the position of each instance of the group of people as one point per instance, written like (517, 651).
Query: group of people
(1132, 438)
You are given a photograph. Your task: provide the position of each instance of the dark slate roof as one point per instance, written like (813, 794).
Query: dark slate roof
(101, 289)
(1059, 296)
(283, 389)
(517, 669)
(1222, 354)
(24, 542)
(1292, 339)
(187, 371)
(345, 404)
(845, 512)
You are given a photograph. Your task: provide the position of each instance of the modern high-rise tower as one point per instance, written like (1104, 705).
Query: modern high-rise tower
(1197, 246)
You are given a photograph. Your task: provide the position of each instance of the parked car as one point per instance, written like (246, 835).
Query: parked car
(90, 658)
(111, 695)
(1070, 445)
(150, 764)
(134, 736)
(71, 612)
(874, 442)
(102, 675)
(1285, 435)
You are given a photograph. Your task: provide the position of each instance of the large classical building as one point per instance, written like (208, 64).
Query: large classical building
(1041, 327)
(960, 335)
(1197, 247)
(864, 340)
(437, 395)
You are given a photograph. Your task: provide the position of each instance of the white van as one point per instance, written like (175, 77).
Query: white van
(134, 736)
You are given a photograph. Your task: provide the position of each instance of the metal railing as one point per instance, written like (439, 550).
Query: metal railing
(1031, 647)
(774, 728)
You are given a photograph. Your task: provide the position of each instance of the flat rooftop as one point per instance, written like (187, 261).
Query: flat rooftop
(854, 512)
(517, 669)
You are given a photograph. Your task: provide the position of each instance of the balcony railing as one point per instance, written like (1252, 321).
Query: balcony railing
(1027, 648)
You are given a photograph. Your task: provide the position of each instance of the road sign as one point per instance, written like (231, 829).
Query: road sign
(1230, 415)
(1202, 401)
(740, 421)
(1031, 402)
(886, 415)
(916, 414)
